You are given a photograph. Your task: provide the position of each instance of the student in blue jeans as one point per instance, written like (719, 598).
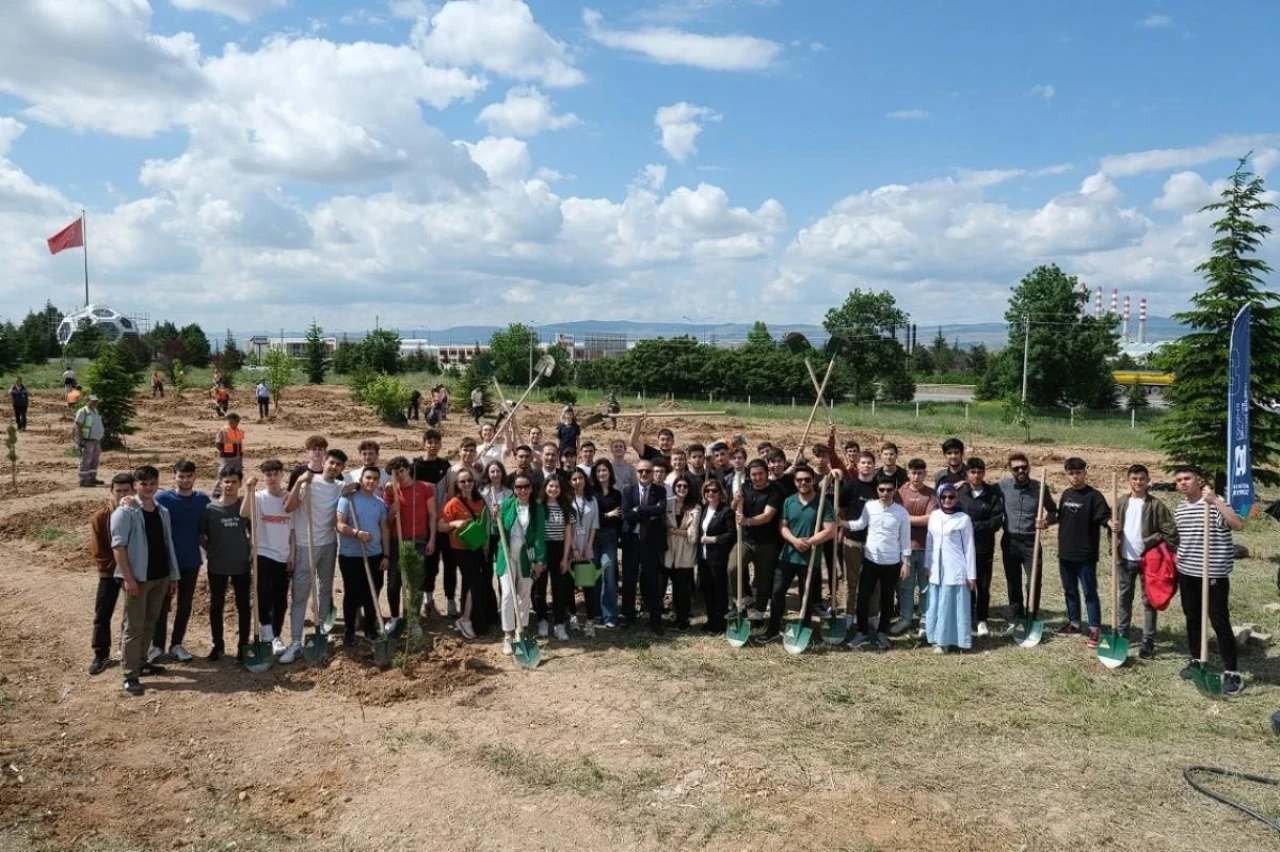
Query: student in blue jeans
(1082, 514)
(609, 502)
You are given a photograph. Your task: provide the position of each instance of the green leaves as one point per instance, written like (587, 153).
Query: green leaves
(112, 379)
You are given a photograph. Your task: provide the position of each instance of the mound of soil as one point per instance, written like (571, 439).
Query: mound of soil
(448, 666)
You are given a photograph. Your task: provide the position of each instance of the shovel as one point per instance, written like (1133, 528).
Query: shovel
(255, 653)
(1030, 630)
(525, 650)
(739, 630)
(1208, 681)
(796, 638)
(600, 417)
(383, 654)
(316, 646)
(834, 628)
(817, 403)
(1113, 649)
(545, 366)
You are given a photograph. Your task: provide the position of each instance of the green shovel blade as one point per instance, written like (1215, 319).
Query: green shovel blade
(315, 647)
(834, 630)
(738, 632)
(257, 656)
(1113, 650)
(795, 639)
(383, 653)
(330, 619)
(1208, 681)
(527, 653)
(1028, 633)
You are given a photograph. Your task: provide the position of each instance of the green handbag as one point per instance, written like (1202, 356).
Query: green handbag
(475, 535)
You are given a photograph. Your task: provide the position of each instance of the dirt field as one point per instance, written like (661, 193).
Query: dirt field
(616, 743)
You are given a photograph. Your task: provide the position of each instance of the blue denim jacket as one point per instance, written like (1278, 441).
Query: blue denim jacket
(128, 530)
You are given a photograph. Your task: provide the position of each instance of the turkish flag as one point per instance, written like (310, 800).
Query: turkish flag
(71, 236)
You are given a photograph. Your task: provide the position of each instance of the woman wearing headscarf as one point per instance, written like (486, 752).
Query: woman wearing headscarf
(951, 560)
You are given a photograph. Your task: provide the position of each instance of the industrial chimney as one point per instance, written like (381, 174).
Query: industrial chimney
(1142, 320)
(1125, 321)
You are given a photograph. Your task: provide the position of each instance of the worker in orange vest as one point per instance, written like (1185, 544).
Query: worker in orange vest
(229, 445)
(221, 398)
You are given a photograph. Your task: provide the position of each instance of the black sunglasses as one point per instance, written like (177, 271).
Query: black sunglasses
(1021, 468)
(524, 487)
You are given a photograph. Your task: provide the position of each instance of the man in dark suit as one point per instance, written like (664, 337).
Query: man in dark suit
(644, 538)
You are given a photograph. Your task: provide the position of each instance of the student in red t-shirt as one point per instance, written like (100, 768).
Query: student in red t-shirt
(414, 517)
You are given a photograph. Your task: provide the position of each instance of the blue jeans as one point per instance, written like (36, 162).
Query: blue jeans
(606, 545)
(1077, 575)
(916, 578)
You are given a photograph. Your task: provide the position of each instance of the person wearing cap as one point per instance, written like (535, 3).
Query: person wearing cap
(949, 557)
(984, 504)
(1082, 514)
(87, 431)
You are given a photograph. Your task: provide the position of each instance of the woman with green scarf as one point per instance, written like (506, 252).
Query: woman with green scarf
(524, 522)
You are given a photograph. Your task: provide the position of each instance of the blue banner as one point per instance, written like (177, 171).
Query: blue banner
(1239, 454)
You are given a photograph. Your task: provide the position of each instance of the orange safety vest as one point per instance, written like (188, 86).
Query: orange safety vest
(221, 394)
(73, 397)
(231, 438)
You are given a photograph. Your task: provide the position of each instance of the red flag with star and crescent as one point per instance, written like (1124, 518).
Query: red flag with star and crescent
(71, 236)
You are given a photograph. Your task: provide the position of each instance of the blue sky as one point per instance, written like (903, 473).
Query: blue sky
(497, 160)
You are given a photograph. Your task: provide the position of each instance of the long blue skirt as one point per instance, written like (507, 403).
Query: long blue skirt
(948, 622)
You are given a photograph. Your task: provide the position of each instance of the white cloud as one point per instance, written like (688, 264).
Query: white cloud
(680, 125)
(502, 159)
(668, 46)
(817, 47)
(240, 10)
(500, 36)
(1151, 22)
(1266, 160)
(1187, 192)
(524, 112)
(1043, 90)
(1165, 159)
(908, 114)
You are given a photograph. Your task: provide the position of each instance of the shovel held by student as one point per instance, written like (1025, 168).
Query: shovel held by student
(316, 646)
(524, 650)
(1208, 681)
(256, 654)
(1113, 648)
(1030, 630)
(383, 653)
(739, 630)
(796, 638)
(834, 629)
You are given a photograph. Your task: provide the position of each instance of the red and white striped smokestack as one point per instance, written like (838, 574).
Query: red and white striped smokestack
(1115, 301)
(1125, 317)
(1097, 304)
(1142, 320)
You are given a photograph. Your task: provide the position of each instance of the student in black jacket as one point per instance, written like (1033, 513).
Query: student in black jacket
(984, 504)
(1082, 514)
(717, 535)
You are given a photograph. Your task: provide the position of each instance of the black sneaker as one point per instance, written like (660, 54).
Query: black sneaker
(768, 636)
(152, 669)
(1190, 669)
(1147, 651)
(214, 655)
(132, 687)
(1232, 683)
(99, 665)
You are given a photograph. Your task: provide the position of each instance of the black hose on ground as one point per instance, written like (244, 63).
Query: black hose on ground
(1227, 800)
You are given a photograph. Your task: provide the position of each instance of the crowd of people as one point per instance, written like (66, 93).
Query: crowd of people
(558, 536)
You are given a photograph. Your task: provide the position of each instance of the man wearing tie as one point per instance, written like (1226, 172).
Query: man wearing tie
(644, 511)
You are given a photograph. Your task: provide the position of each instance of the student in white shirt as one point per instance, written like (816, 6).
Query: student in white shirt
(886, 558)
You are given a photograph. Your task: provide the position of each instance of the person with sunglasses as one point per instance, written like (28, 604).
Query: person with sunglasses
(950, 559)
(1021, 496)
(681, 555)
(644, 538)
(466, 505)
(609, 508)
(718, 533)
(524, 522)
(803, 533)
(886, 559)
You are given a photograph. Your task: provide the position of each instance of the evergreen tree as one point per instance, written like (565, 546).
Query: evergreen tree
(1136, 397)
(315, 355)
(86, 340)
(10, 348)
(198, 351)
(38, 335)
(232, 357)
(113, 378)
(1195, 430)
(380, 351)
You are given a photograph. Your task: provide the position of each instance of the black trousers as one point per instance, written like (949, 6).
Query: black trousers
(641, 563)
(545, 582)
(20, 417)
(217, 605)
(1219, 617)
(356, 601)
(444, 555)
(273, 594)
(415, 411)
(887, 577)
(104, 609)
(982, 600)
(784, 574)
(1016, 551)
(472, 565)
(563, 592)
(264, 407)
(713, 579)
(681, 593)
(186, 593)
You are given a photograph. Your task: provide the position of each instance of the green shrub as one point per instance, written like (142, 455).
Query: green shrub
(563, 395)
(389, 398)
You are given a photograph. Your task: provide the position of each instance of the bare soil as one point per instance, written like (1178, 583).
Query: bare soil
(624, 742)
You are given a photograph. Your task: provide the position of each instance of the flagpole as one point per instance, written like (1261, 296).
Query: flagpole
(84, 244)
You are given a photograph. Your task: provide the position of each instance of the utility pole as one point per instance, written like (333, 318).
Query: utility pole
(1026, 350)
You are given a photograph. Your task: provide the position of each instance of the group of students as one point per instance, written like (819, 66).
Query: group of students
(562, 529)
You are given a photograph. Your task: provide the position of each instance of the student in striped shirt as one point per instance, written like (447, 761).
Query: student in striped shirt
(1189, 516)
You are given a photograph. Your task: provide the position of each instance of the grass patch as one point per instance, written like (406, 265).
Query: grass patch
(51, 533)
(586, 776)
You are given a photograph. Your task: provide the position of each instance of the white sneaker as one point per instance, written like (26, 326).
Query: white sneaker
(561, 633)
(277, 646)
(452, 609)
(507, 647)
(391, 625)
(983, 630)
(544, 629)
(291, 653)
(589, 630)
(181, 654)
(921, 633)
(573, 623)
(938, 649)
(902, 625)
(464, 627)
